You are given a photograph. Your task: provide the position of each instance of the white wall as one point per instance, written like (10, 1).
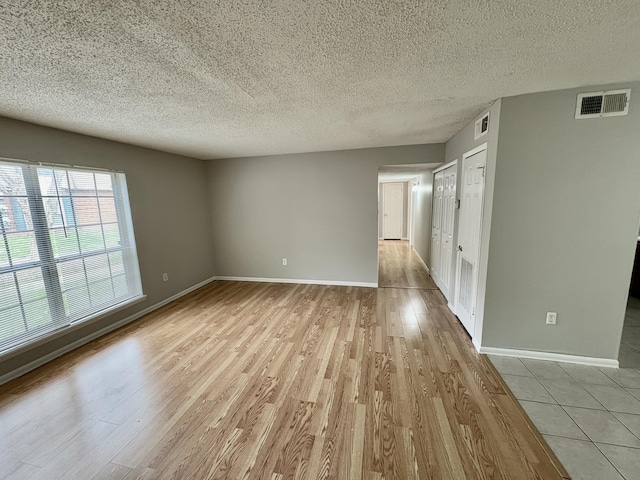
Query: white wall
(319, 210)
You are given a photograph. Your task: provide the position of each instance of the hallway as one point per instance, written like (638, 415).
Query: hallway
(400, 266)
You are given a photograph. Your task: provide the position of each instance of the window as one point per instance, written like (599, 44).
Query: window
(67, 249)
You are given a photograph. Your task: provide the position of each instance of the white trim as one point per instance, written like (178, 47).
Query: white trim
(475, 150)
(445, 166)
(421, 260)
(64, 165)
(477, 132)
(82, 341)
(554, 357)
(298, 280)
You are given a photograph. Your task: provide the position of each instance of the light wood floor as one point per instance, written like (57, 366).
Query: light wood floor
(272, 381)
(399, 266)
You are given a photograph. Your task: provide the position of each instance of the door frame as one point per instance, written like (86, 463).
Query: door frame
(471, 153)
(445, 166)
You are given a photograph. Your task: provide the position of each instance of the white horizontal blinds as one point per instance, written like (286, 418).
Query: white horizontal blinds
(24, 307)
(68, 248)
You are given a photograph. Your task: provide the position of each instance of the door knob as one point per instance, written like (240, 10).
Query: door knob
(459, 248)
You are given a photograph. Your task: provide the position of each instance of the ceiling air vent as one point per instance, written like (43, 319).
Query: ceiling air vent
(603, 104)
(482, 126)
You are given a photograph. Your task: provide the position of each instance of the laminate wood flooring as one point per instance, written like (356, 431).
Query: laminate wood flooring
(399, 266)
(273, 381)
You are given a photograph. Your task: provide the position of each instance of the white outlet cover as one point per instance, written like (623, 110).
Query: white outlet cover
(552, 318)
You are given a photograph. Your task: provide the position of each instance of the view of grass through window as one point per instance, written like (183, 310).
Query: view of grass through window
(67, 249)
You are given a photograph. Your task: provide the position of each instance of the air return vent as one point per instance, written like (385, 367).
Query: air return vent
(603, 104)
(482, 126)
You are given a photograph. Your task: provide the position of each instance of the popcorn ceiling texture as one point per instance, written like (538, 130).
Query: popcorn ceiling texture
(215, 79)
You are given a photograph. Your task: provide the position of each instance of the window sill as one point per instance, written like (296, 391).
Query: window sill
(19, 349)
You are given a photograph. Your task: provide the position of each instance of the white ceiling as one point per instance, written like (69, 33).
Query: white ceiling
(215, 79)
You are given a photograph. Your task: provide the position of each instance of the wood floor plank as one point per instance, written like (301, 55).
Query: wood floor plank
(400, 266)
(275, 381)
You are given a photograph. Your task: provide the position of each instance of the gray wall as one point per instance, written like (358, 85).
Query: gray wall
(565, 217)
(319, 210)
(422, 236)
(460, 144)
(169, 206)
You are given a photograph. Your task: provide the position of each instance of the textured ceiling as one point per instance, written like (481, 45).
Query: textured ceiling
(215, 79)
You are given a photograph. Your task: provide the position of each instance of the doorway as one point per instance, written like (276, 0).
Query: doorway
(403, 257)
(629, 354)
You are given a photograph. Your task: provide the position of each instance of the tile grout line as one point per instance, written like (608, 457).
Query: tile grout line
(605, 456)
(616, 384)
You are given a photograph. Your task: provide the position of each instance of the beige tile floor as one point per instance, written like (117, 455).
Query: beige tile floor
(589, 416)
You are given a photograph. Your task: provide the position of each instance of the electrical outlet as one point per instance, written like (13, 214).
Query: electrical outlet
(284, 261)
(552, 318)
(165, 277)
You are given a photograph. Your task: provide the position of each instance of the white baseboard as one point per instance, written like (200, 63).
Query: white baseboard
(297, 280)
(554, 357)
(421, 260)
(78, 343)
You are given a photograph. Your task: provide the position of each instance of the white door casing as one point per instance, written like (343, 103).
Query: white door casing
(436, 225)
(392, 210)
(469, 231)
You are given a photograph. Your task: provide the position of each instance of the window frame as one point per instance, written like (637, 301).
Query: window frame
(61, 322)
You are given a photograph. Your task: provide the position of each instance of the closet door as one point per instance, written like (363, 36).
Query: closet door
(436, 225)
(469, 230)
(448, 218)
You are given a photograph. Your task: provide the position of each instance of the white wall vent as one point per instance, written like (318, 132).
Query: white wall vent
(482, 126)
(603, 104)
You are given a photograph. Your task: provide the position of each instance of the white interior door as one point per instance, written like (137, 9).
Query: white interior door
(469, 229)
(436, 225)
(448, 219)
(392, 209)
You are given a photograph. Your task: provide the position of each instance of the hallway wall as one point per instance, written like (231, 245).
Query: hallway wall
(422, 235)
(461, 143)
(563, 234)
